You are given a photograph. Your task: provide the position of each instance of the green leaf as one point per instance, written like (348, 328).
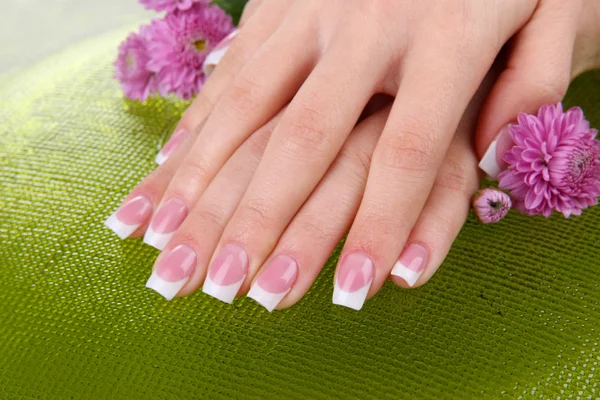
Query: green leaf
(232, 7)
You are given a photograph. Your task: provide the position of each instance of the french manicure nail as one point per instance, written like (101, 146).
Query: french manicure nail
(492, 162)
(164, 224)
(274, 282)
(173, 271)
(354, 278)
(172, 144)
(215, 56)
(411, 263)
(130, 216)
(227, 273)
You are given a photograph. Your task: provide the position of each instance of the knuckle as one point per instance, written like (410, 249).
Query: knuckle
(456, 177)
(359, 161)
(378, 230)
(211, 215)
(308, 131)
(195, 169)
(255, 213)
(408, 150)
(358, 157)
(211, 219)
(441, 224)
(243, 96)
(315, 229)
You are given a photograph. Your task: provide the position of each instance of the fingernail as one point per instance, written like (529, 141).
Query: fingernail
(215, 56)
(353, 281)
(164, 224)
(173, 271)
(274, 282)
(411, 263)
(492, 162)
(227, 273)
(130, 216)
(172, 144)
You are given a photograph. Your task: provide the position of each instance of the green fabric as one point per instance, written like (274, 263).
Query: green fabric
(513, 311)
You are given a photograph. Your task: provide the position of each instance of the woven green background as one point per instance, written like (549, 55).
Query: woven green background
(512, 313)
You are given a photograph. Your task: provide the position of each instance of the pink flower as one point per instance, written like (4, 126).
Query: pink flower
(554, 164)
(491, 205)
(137, 82)
(170, 5)
(179, 43)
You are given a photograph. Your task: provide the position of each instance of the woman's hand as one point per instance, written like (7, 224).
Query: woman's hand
(317, 227)
(327, 59)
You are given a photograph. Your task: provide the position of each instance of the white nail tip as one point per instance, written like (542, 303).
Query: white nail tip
(411, 277)
(160, 158)
(157, 240)
(214, 58)
(354, 300)
(224, 293)
(166, 289)
(122, 230)
(488, 163)
(266, 299)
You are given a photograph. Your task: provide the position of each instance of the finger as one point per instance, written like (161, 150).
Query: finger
(424, 117)
(254, 98)
(317, 228)
(538, 72)
(181, 267)
(266, 17)
(302, 147)
(448, 204)
(444, 213)
(132, 217)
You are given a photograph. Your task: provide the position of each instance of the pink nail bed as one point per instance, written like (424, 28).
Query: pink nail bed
(279, 275)
(136, 211)
(227, 273)
(411, 263)
(354, 277)
(355, 272)
(165, 222)
(169, 216)
(173, 271)
(178, 264)
(172, 144)
(274, 282)
(130, 216)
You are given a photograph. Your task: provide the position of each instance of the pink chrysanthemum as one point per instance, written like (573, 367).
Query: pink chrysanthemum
(137, 82)
(554, 164)
(170, 5)
(491, 205)
(179, 43)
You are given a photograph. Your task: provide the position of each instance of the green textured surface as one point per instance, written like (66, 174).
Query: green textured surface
(512, 313)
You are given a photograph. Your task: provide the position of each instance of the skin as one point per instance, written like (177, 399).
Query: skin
(275, 140)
